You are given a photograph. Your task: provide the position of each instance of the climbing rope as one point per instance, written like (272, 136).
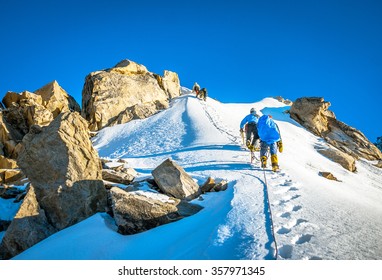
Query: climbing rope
(271, 217)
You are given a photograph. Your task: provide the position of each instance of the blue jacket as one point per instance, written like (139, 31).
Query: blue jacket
(268, 130)
(248, 119)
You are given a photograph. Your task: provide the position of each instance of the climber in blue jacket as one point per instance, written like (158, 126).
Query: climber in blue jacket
(250, 122)
(270, 137)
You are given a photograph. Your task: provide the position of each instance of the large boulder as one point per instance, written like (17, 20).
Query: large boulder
(313, 114)
(174, 181)
(65, 172)
(139, 211)
(65, 169)
(109, 95)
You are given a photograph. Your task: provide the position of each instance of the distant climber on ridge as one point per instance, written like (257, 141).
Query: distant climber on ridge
(196, 89)
(203, 94)
(270, 137)
(250, 124)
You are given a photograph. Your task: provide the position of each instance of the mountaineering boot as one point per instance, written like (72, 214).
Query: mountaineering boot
(263, 162)
(249, 146)
(275, 163)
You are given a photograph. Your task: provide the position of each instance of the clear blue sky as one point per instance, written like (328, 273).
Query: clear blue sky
(241, 51)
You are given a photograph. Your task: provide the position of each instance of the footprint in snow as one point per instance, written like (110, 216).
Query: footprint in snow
(301, 239)
(286, 251)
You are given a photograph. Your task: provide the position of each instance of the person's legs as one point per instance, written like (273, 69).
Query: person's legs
(263, 154)
(274, 159)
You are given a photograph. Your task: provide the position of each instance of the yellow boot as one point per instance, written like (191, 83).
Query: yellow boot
(263, 162)
(275, 163)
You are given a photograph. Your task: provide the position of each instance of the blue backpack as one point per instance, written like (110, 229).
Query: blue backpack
(268, 130)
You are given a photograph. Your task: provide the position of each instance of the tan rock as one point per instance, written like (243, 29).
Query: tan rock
(345, 160)
(61, 160)
(118, 176)
(6, 163)
(139, 211)
(174, 181)
(8, 176)
(56, 99)
(328, 175)
(29, 227)
(208, 185)
(109, 96)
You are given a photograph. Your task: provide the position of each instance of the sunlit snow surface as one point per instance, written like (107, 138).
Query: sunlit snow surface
(313, 218)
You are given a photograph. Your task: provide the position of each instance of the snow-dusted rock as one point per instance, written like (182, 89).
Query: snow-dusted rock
(109, 96)
(173, 180)
(125, 176)
(139, 211)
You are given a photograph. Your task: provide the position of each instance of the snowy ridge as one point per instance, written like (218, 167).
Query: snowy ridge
(312, 217)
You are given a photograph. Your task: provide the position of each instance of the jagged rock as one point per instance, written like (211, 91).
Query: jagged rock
(345, 160)
(125, 176)
(6, 163)
(56, 99)
(379, 164)
(173, 180)
(39, 108)
(29, 227)
(285, 101)
(208, 185)
(8, 176)
(139, 211)
(170, 83)
(27, 112)
(313, 114)
(328, 175)
(8, 137)
(221, 186)
(110, 96)
(63, 166)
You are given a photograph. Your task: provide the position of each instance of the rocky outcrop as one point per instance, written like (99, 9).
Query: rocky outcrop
(65, 172)
(27, 109)
(112, 96)
(313, 114)
(56, 100)
(174, 181)
(139, 211)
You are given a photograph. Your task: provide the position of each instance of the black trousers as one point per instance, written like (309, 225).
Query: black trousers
(252, 133)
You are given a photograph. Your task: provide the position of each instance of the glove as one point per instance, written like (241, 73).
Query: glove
(241, 130)
(280, 146)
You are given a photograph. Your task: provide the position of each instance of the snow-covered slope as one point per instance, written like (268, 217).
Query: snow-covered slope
(312, 217)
